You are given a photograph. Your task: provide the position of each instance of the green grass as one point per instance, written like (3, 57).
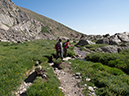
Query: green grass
(17, 59)
(117, 60)
(58, 61)
(45, 88)
(110, 81)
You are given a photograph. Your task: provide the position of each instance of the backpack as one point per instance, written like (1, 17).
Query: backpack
(57, 46)
(64, 44)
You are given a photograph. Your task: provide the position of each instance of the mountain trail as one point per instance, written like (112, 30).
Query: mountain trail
(69, 84)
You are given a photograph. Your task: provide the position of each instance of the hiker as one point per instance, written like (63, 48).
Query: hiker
(59, 49)
(66, 46)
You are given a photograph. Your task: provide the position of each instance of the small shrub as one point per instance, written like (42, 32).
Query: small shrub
(115, 71)
(58, 61)
(94, 57)
(117, 60)
(97, 65)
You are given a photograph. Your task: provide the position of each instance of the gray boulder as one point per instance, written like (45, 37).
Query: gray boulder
(108, 49)
(112, 49)
(114, 40)
(102, 41)
(85, 42)
(123, 37)
(127, 33)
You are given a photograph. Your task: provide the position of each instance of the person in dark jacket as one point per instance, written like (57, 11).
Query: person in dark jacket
(59, 49)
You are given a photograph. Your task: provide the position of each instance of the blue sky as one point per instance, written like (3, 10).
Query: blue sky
(91, 17)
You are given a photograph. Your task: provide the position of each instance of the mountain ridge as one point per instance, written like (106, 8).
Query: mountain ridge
(21, 24)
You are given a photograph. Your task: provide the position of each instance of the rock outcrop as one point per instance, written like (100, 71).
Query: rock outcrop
(115, 39)
(124, 37)
(27, 25)
(103, 41)
(85, 42)
(112, 49)
(115, 43)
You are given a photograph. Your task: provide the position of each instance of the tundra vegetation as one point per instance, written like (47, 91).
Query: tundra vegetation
(109, 72)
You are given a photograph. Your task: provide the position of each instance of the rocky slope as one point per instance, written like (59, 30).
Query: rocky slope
(113, 44)
(18, 24)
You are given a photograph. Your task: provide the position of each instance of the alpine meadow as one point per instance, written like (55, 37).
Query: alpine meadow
(95, 65)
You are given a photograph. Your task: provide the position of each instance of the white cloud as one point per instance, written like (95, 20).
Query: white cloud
(94, 27)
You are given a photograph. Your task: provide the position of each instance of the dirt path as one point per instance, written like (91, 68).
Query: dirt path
(68, 83)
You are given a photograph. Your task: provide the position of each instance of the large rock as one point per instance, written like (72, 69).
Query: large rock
(85, 42)
(124, 37)
(127, 33)
(114, 40)
(112, 49)
(102, 41)
(108, 49)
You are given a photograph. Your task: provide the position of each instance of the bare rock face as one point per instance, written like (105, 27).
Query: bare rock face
(29, 25)
(4, 27)
(13, 35)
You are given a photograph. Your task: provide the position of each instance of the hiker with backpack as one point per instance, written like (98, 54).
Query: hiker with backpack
(65, 47)
(59, 49)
